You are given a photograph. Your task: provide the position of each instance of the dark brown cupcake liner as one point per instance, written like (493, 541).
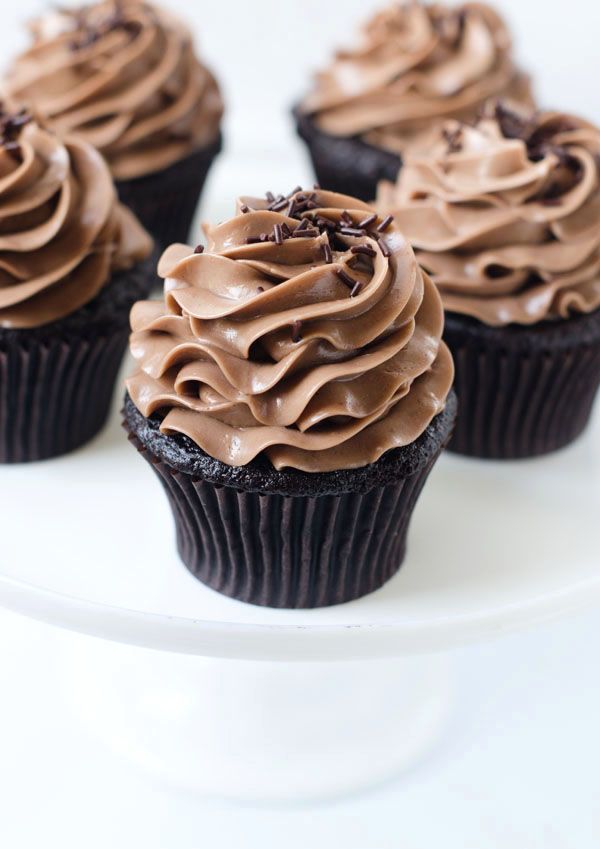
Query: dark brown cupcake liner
(166, 202)
(336, 538)
(57, 381)
(350, 166)
(523, 391)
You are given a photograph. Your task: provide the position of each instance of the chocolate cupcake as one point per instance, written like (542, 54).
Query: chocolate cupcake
(292, 395)
(72, 262)
(123, 75)
(416, 64)
(505, 216)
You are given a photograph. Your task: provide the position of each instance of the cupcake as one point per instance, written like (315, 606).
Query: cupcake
(72, 262)
(416, 64)
(505, 217)
(292, 393)
(122, 74)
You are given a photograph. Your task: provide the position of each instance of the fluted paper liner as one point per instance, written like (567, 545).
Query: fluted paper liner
(350, 166)
(293, 551)
(166, 202)
(523, 391)
(56, 382)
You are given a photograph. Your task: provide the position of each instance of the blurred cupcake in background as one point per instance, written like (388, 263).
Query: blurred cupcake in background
(123, 75)
(505, 217)
(292, 393)
(416, 64)
(72, 262)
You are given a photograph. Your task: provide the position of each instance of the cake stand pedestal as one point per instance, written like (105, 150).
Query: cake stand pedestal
(244, 702)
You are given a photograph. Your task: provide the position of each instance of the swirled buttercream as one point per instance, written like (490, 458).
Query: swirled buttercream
(306, 333)
(124, 77)
(416, 63)
(62, 230)
(505, 215)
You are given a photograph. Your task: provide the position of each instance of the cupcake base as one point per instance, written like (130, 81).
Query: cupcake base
(523, 391)
(56, 381)
(350, 166)
(166, 202)
(289, 539)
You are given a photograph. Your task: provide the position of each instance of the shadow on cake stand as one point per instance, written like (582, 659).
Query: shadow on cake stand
(248, 703)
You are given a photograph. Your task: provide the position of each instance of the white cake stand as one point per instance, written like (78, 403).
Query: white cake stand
(246, 702)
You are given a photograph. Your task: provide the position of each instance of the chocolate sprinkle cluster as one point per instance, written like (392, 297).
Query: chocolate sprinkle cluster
(89, 31)
(11, 124)
(301, 205)
(539, 141)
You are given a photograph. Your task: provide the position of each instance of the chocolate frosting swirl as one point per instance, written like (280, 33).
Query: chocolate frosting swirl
(62, 231)
(122, 74)
(306, 333)
(505, 216)
(416, 63)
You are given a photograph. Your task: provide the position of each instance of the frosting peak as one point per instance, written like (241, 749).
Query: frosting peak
(505, 215)
(62, 231)
(416, 63)
(122, 74)
(305, 333)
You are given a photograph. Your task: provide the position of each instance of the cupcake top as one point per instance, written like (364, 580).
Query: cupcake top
(305, 334)
(123, 75)
(62, 231)
(505, 215)
(416, 63)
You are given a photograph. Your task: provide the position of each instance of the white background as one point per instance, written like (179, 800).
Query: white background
(519, 767)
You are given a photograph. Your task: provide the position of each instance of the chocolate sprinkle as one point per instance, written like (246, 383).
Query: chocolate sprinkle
(357, 289)
(351, 231)
(345, 278)
(278, 234)
(297, 331)
(453, 138)
(367, 250)
(311, 233)
(327, 253)
(370, 219)
(385, 224)
(199, 249)
(384, 248)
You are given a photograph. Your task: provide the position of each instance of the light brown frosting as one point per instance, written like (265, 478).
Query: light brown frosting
(124, 77)
(505, 216)
(62, 231)
(416, 63)
(291, 347)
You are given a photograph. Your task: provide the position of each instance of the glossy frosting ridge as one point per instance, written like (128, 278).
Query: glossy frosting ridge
(505, 215)
(414, 64)
(123, 75)
(281, 341)
(62, 230)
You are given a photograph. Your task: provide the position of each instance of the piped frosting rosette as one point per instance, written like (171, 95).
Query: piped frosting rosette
(62, 230)
(505, 215)
(416, 63)
(123, 75)
(305, 333)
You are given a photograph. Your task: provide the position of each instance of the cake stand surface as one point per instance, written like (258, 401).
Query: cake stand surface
(88, 544)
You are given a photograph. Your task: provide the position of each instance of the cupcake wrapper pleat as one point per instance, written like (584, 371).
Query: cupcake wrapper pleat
(523, 393)
(166, 202)
(55, 395)
(350, 166)
(289, 551)
(57, 380)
